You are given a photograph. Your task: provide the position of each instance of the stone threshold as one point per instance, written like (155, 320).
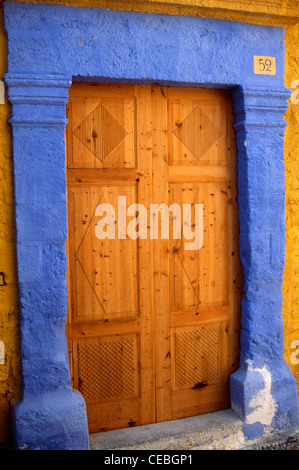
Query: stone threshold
(222, 430)
(219, 430)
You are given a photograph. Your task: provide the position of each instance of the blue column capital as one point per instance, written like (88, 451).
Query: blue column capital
(257, 107)
(37, 100)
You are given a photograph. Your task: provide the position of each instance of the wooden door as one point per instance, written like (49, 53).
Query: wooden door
(153, 325)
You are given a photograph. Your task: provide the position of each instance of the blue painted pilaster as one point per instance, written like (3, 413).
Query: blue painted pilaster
(263, 390)
(50, 414)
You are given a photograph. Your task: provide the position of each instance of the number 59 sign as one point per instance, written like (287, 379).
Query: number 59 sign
(264, 65)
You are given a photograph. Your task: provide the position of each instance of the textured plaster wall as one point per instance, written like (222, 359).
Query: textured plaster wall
(283, 12)
(291, 277)
(9, 372)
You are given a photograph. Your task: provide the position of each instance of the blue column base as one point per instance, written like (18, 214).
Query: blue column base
(265, 397)
(53, 421)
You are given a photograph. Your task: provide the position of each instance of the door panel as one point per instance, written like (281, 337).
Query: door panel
(110, 340)
(153, 320)
(105, 281)
(199, 277)
(103, 128)
(206, 146)
(197, 303)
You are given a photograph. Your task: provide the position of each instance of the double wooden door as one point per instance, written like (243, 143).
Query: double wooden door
(153, 319)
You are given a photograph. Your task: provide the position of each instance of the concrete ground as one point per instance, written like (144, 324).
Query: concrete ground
(222, 430)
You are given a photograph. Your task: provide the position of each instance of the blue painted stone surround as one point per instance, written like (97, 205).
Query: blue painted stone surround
(49, 46)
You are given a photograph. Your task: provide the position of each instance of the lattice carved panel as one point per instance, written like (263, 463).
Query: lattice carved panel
(200, 356)
(108, 368)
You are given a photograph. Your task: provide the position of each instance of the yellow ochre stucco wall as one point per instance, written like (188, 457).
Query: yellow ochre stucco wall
(291, 156)
(10, 370)
(282, 13)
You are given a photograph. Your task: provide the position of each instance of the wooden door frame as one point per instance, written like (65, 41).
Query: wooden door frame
(45, 53)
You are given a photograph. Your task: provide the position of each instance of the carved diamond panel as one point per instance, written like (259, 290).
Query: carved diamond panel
(197, 132)
(100, 132)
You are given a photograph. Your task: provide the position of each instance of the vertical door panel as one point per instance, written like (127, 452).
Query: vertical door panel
(110, 319)
(197, 294)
